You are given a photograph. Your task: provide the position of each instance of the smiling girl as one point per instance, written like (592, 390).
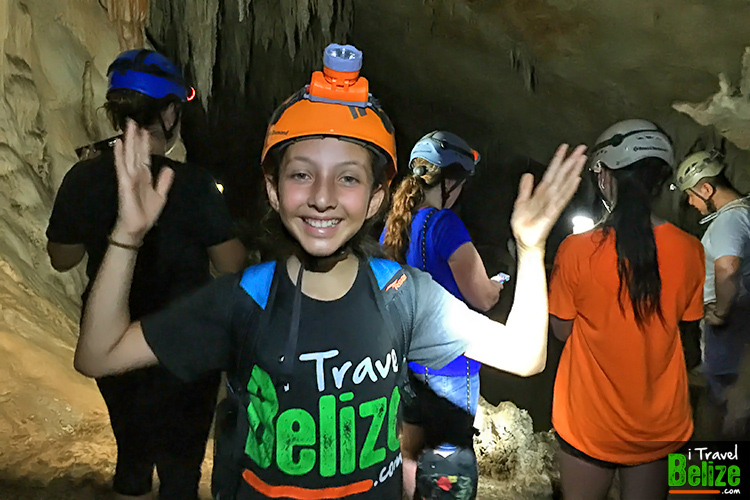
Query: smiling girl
(315, 342)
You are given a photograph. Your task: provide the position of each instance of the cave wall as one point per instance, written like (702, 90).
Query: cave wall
(53, 60)
(519, 77)
(48, 109)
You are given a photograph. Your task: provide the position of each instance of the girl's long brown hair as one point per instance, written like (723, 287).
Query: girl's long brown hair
(407, 199)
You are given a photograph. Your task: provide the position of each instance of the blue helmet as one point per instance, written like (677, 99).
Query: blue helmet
(147, 72)
(443, 149)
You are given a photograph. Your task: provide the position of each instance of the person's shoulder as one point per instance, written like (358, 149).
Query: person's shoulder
(391, 276)
(579, 247)
(187, 171)
(446, 214)
(577, 242)
(680, 237)
(675, 232)
(447, 218)
(737, 215)
(88, 169)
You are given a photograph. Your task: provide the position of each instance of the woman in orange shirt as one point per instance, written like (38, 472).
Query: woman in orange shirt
(619, 295)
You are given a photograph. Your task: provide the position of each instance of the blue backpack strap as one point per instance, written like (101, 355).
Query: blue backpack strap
(384, 271)
(232, 421)
(395, 290)
(256, 281)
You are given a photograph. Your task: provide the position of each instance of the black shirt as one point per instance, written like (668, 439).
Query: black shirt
(335, 426)
(333, 423)
(174, 257)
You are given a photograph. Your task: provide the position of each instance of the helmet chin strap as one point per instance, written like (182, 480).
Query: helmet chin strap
(608, 205)
(447, 192)
(169, 132)
(710, 205)
(322, 264)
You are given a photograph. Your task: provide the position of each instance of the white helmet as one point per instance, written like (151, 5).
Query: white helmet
(629, 141)
(697, 166)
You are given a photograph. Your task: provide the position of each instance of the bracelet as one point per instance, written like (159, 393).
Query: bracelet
(124, 245)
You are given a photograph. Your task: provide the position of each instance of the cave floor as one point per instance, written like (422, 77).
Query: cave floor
(79, 465)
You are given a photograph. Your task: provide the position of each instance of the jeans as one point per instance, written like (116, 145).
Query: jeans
(724, 346)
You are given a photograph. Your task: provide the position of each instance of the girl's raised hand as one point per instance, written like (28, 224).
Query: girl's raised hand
(140, 200)
(536, 210)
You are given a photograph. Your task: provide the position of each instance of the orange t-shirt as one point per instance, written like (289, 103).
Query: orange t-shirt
(621, 393)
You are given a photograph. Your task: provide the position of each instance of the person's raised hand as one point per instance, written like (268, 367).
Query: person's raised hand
(536, 210)
(140, 200)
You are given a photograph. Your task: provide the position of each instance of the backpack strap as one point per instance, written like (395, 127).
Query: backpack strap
(256, 281)
(384, 271)
(232, 421)
(423, 235)
(391, 282)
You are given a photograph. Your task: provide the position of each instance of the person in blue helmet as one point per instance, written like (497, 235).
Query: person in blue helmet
(158, 420)
(423, 232)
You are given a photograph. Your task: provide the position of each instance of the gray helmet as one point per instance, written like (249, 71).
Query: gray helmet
(444, 148)
(629, 141)
(697, 166)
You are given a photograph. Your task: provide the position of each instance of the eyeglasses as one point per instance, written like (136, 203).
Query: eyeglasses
(91, 150)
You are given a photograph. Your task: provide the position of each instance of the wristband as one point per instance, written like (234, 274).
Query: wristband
(124, 245)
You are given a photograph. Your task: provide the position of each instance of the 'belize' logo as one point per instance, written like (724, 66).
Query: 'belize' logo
(300, 441)
(710, 470)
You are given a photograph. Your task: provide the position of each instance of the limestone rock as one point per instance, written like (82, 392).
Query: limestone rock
(514, 462)
(728, 110)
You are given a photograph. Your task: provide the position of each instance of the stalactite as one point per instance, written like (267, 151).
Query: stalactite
(130, 16)
(522, 64)
(242, 6)
(202, 18)
(298, 29)
(235, 36)
(728, 110)
(325, 14)
(189, 28)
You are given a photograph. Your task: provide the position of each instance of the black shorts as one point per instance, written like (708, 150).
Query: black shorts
(575, 452)
(571, 450)
(441, 420)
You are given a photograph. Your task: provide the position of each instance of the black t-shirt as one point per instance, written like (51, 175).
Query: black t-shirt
(333, 423)
(174, 258)
(335, 426)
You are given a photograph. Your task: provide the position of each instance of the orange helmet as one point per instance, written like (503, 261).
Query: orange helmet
(336, 103)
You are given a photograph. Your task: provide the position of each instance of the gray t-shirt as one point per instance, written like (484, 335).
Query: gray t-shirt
(728, 234)
(443, 325)
(200, 332)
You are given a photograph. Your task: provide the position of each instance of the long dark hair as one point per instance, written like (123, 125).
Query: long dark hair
(407, 199)
(637, 264)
